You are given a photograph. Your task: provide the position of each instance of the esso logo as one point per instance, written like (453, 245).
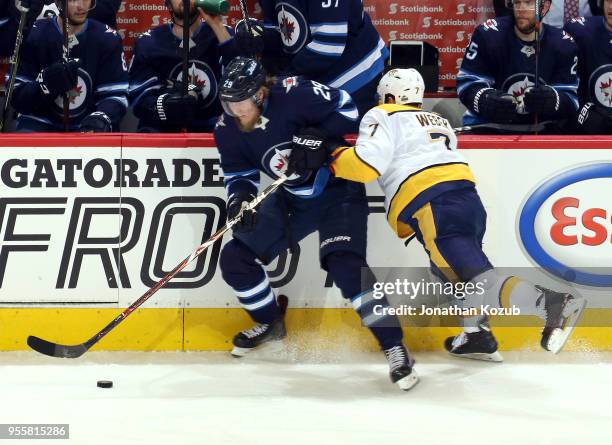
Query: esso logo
(566, 225)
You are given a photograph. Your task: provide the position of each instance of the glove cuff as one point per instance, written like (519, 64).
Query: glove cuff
(160, 108)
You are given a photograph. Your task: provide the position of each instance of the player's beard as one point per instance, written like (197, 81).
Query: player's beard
(177, 16)
(248, 126)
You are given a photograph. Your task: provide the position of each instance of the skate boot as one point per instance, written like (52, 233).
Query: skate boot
(480, 345)
(401, 365)
(262, 334)
(562, 313)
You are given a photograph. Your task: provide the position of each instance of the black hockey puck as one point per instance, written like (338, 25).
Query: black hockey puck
(105, 384)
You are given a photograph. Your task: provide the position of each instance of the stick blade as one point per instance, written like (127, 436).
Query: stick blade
(54, 350)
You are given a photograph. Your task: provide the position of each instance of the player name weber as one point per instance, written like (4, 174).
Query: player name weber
(406, 309)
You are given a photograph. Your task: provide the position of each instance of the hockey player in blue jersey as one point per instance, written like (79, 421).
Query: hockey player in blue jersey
(94, 78)
(156, 76)
(255, 135)
(496, 81)
(593, 35)
(104, 11)
(331, 41)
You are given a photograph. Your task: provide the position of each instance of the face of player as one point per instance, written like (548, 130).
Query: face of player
(78, 10)
(525, 14)
(607, 12)
(177, 11)
(246, 112)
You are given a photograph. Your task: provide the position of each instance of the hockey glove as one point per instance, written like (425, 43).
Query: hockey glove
(250, 43)
(58, 78)
(543, 100)
(594, 119)
(496, 106)
(308, 152)
(235, 207)
(96, 122)
(176, 109)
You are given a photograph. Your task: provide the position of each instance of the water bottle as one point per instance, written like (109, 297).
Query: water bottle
(215, 7)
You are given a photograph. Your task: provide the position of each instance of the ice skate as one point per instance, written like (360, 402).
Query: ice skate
(480, 345)
(401, 369)
(262, 335)
(562, 313)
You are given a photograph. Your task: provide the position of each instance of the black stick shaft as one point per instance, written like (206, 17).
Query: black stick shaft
(186, 39)
(65, 56)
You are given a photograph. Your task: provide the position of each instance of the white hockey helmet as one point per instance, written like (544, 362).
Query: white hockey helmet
(406, 86)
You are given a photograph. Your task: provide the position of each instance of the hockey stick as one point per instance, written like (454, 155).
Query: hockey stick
(73, 351)
(65, 55)
(186, 41)
(538, 24)
(23, 12)
(517, 129)
(245, 16)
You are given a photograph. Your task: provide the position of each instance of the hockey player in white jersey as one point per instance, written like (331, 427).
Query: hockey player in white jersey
(430, 192)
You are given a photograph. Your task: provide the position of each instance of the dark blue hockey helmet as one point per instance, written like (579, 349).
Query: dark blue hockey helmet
(241, 80)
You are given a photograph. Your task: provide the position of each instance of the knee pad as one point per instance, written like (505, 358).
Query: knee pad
(239, 266)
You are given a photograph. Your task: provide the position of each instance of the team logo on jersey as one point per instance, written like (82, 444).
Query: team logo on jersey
(276, 160)
(601, 85)
(289, 83)
(77, 97)
(528, 50)
(517, 85)
(490, 24)
(200, 75)
(293, 27)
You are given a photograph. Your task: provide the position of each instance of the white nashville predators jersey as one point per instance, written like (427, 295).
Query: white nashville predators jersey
(412, 152)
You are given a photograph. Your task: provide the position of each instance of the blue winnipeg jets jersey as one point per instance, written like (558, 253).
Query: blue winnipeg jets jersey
(8, 29)
(497, 58)
(331, 41)
(158, 62)
(102, 75)
(594, 42)
(293, 104)
(105, 12)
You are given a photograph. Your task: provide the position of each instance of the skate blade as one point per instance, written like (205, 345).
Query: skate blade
(571, 312)
(266, 349)
(409, 381)
(482, 356)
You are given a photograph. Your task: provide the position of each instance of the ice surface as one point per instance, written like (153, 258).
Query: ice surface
(209, 398)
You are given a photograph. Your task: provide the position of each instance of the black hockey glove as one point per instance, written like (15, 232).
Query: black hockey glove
(309, 151)
(496, 106)
(250, 43)
(593, 119)
(96, 122)
(58, 78)
(543, 100)
(235, 205)
(176, 109)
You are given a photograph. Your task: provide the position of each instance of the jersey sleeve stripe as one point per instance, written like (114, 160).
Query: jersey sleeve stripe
(351, 79)
(331, 29)
(137, 86)
(327, 49)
